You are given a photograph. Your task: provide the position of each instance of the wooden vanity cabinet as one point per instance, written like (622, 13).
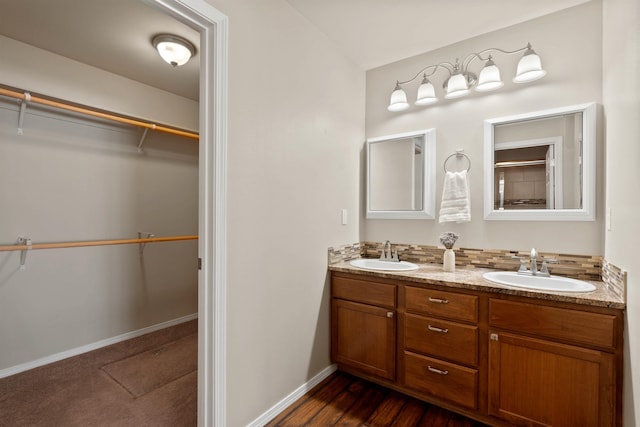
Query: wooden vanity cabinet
(363, 325)
(551, 366)
(502, 359)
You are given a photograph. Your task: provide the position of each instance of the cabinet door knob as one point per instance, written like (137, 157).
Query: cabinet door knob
(437, 371)
(389, 314)
(438, 300)
(436, 329)
(494, 337)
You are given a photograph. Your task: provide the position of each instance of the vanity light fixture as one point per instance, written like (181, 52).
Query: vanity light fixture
(175, 50)
(461, 80)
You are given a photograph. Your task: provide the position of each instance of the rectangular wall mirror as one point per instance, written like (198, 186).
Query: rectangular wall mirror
(541, 166)
(401, 176)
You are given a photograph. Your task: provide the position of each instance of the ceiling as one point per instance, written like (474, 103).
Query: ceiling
(378, 32)
(115, 35)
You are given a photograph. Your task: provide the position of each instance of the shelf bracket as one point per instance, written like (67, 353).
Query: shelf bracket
(23, 253)
(142, 245)
(144, 135)
(23, 109)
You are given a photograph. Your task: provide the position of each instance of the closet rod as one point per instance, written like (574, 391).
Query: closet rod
(57, 245)
(90, 112)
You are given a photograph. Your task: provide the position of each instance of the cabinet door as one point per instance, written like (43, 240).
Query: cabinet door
(364, 337)
(541, 383)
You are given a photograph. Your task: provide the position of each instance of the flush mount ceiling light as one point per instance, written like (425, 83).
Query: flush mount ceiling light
(461, 80)
(175, 50)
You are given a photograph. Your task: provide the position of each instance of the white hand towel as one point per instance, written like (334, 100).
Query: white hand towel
(456, 203)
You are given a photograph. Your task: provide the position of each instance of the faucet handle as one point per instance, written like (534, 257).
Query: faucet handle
(544, 269)
(523, 265)
(387, 254)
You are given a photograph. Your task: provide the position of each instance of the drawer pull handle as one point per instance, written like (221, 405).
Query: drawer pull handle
(437, 371)
(439, 300)
(436, 329)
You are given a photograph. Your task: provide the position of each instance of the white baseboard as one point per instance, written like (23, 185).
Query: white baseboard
(93, 346)
(295, 395)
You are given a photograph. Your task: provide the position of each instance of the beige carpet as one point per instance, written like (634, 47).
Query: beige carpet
(78, 392)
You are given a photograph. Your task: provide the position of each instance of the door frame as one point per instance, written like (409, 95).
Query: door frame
(212, 241)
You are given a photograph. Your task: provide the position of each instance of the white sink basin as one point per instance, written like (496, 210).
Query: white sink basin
(376, 264)
(552, 283)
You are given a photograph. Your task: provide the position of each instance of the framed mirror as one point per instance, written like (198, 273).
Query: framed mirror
(541, 166)
(401, 175)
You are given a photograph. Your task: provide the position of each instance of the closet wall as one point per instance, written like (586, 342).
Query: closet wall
(71, 177)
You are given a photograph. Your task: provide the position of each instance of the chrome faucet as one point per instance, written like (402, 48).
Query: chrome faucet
(386, 254)
(544, 270)
(534, 262)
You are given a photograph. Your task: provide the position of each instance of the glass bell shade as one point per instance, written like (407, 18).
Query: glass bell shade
(426, 93)
(173, 49)
(529, 68)
(457, 86)
(398, 101)
(489, 78)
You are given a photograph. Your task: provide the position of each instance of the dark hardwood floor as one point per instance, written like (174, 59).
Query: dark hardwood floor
(344, 400)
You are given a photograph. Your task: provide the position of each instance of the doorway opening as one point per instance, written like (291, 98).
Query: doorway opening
(212, 26)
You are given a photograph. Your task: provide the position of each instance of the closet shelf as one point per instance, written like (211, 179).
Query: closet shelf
(520, 163)
(77, 244)
(26, 97)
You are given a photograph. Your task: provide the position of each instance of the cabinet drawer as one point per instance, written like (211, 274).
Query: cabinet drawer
(440, 303)
(443, 339)
(441, 379)
(364, 291)
(552, 322)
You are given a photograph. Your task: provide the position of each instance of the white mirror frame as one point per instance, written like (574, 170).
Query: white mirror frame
(429, 184)
(588, 210)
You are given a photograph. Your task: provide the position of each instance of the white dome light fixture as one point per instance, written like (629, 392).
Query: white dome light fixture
(175, 50)
(461, 80)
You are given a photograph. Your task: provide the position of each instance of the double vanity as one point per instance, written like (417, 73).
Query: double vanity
(502, 344)
(473, 343)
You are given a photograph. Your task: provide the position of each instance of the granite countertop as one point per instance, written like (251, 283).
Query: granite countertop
(471, 278)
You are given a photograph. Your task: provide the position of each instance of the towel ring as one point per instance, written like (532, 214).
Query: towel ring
(458, 154)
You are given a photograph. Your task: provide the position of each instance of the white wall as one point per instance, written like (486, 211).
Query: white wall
(72, 178)
(296, 120)
(621, 63)
(569, 44)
